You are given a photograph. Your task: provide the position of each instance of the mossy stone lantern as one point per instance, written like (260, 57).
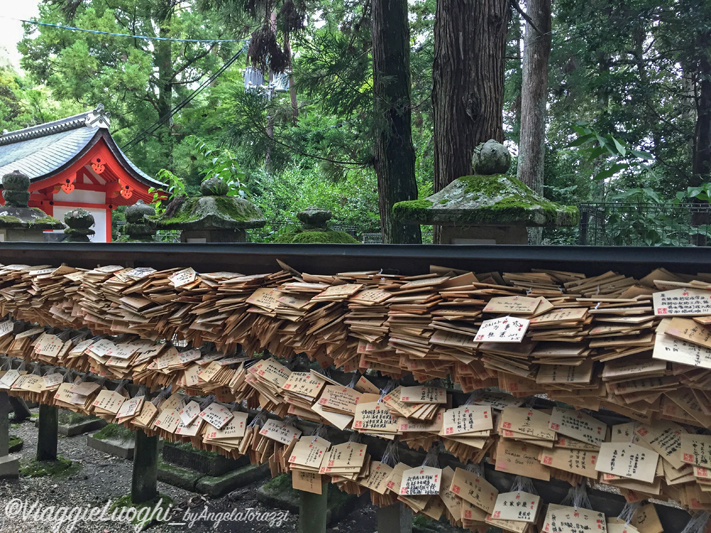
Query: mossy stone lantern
(213, 216)
(79, 222)
(139, 225)
(487, 207)
(18, 222)
(314, 229)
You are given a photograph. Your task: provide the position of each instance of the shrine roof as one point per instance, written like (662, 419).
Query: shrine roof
(45, 150)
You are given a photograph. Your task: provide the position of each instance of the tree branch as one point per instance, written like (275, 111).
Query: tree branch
(191, 61)
(525, 16)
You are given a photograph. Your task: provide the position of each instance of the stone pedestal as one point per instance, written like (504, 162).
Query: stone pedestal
(220, 235)
(484, 235)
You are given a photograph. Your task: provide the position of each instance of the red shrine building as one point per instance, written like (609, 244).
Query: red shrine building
(74, 162)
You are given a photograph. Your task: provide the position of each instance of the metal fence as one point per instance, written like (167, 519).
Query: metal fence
(644, 224)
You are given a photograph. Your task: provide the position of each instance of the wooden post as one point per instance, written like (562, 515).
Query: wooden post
(313, 510)
(47, 437)
(144, 485)
(4, 424)
(9, 468)
(396, 518)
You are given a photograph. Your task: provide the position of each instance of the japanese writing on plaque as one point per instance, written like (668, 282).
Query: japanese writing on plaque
(466, 419)
(517, 505)
(628, 460)
(421, 481)
(682, 302)
(506, 329)
(562, 519)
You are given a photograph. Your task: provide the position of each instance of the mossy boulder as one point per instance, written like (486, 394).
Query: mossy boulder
(137, 212)
(318, 237)
(486, 200)
(214, 187)
(214, 212)
(491, 157)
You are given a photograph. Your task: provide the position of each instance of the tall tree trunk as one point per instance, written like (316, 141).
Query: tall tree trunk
(534, 92)
(702, 134)
(468, 75)
(394, 152)
(292, 89)
(702, 141)
(270, 118)
(164, 62)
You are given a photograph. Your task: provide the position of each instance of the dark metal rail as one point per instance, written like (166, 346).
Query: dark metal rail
(250, 258)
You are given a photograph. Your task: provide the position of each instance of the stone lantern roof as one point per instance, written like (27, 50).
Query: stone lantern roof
(214, 210)
(489, 197)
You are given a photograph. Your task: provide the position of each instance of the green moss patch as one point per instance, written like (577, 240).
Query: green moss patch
(410, 209)
(15, 444)
(61, 468)
(316, 236)
(114, 431)
(70, 417)
(8, 220)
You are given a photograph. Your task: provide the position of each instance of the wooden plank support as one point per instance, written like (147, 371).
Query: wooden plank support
(313, 511)
(48, 433)
(144, 484)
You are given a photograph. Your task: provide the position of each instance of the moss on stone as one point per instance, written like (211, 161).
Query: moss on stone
(15, 444)
(279, 484)
(316, 237)
(44, 220)
(60, 468)
(71, 418)
(8, 220)
(114, 431)
(214, 212)
(409, 209)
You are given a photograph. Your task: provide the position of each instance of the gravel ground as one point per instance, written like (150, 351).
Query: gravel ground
(104, 478)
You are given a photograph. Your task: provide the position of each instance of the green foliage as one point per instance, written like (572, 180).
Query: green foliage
(176, 187)
(220, 163)
(353, 200)
(613, 154)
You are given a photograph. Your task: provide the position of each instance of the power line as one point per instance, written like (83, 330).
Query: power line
(146, 37)
(142, 135)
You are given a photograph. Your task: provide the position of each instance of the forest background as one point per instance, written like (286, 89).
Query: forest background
(624, 106)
